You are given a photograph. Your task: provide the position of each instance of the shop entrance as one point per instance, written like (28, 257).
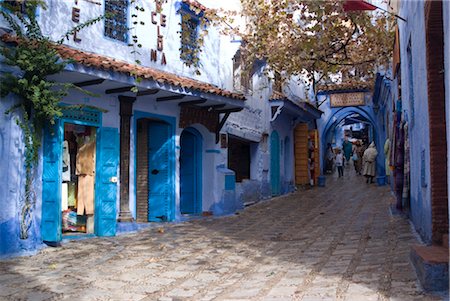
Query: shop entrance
(78, 179)
(190, 171)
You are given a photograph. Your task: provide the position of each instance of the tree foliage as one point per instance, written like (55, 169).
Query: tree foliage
(315, 38)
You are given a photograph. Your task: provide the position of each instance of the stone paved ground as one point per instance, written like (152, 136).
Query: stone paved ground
(333, 243)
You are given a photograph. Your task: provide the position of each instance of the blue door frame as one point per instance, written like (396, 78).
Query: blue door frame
(275, 163)
(107, 156)
(190, 172)
(169, 206)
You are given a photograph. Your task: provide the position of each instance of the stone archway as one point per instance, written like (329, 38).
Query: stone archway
(342, 113)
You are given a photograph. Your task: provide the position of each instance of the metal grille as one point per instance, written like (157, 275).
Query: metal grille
(189, 25)
(116, 19)
(92, 117)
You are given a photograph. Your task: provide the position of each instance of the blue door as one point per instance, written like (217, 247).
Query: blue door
(105, 184)
(51, 183)
(190, 172)
(159, 169)
(275, 163)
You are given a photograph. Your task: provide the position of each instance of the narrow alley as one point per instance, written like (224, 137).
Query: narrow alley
(334, 243)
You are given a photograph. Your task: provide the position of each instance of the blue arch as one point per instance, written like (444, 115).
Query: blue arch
(367, 112)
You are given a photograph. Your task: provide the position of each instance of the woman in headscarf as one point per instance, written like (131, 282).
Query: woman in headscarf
(347, 147)
(369, 160)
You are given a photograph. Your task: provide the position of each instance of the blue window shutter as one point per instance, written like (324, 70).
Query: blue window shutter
(51, 183)
(105, 187)
(275, 163)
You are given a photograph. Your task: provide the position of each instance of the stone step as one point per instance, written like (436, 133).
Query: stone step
(431, 264)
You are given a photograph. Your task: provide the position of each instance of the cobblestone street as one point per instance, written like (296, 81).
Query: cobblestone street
(333, 243)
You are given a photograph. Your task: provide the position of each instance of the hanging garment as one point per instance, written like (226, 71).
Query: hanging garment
(72, 198)
(64, 196)
(387, 155)
(85, 194)
(86, 159)
(65, 162)
(406, 169)
(86, 172)
(399, 166)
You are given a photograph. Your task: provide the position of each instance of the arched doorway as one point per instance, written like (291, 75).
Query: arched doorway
(352, 115)
(190, 172)
(155, 150)
(275, 163)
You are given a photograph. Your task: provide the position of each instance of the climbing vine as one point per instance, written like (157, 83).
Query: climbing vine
(38, 97)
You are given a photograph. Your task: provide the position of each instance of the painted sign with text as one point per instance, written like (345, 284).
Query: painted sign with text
(347, 99)
(159, 20)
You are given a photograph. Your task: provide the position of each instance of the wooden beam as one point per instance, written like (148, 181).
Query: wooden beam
(93, 82)
(192, 102)
(147, 92)
(229, 110)
(213, 107)
(220, 125)
(119, 90)
(167, 98)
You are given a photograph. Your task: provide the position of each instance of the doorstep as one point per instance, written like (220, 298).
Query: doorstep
(431, 264)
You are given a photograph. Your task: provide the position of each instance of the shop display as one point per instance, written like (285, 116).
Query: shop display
(78, 179)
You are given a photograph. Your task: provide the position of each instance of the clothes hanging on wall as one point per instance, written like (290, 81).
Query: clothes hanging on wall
(85, 169)
(65, 162)
(64, 196)
(406, 169)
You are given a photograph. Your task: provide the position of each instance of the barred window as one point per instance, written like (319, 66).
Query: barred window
(189, 37)
(116, 23)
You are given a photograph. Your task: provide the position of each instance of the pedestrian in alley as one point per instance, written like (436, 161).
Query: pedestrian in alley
(340, 163)
(330, 158)
(369, 161)
(357, 156)
(347, 147)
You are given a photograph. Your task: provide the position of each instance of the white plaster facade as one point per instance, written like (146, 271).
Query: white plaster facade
(252, 124)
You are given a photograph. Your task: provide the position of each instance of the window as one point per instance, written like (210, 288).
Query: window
(16, 5)
(239, 157)
(242, 79)
(116, 21)
(277, 83)
(189, 37)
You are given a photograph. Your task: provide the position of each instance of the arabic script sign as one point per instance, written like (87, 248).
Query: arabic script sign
(347, 99)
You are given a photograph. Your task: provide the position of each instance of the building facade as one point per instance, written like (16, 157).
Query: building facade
(182, 141)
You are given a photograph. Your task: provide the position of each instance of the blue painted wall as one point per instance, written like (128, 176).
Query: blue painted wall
(414, 86)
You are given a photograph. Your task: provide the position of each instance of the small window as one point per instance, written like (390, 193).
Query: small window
(116, 21)
(242, 79)
(189, 37)
(277, 83)
(239, 157)
(16, 5)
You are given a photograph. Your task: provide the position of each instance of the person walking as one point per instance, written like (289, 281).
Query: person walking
(357, 157)
(369, 160)
(340, 163)
(347, 147)
(330, 158)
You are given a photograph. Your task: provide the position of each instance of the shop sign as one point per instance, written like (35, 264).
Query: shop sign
(160, 20)
(76, 13)
(347, 99)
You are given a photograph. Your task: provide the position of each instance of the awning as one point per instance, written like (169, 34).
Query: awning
(358, 5)
(94, 70)
(303, 110)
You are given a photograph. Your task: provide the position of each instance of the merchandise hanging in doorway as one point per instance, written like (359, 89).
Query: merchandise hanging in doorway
(78, 179)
